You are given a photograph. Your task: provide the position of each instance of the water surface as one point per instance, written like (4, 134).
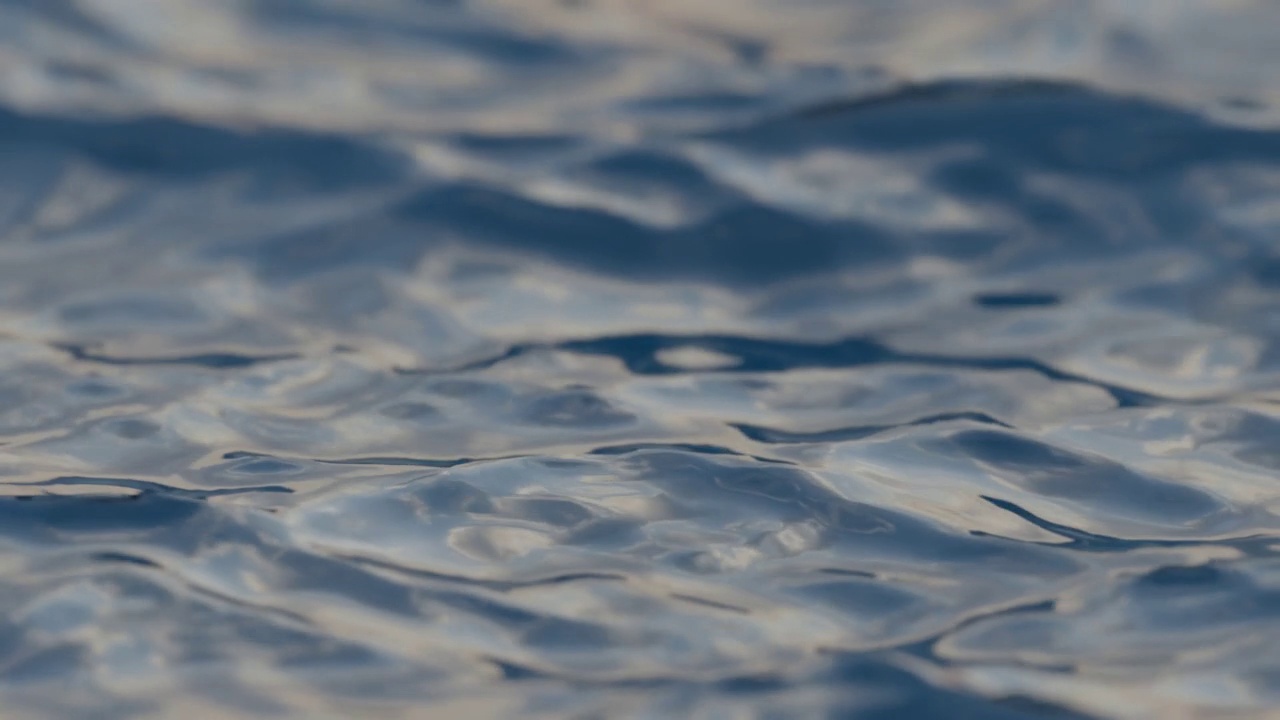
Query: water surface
(653, 359)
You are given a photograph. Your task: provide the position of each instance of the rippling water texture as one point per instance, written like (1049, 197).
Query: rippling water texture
(730, 358)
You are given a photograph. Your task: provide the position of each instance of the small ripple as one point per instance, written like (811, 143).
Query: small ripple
(768, 435)
(216, 361)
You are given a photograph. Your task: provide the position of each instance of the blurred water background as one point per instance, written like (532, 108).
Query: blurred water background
(639, 358)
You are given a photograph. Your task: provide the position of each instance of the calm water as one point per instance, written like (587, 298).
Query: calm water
(657, 359)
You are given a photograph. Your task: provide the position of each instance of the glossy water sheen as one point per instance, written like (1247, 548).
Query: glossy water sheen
(731, 358)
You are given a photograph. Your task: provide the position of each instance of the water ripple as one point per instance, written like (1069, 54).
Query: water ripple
(639, 359)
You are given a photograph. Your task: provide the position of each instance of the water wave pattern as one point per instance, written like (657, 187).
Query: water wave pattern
(616, 359)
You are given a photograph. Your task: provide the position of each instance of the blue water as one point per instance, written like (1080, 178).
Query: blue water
(730, 359)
